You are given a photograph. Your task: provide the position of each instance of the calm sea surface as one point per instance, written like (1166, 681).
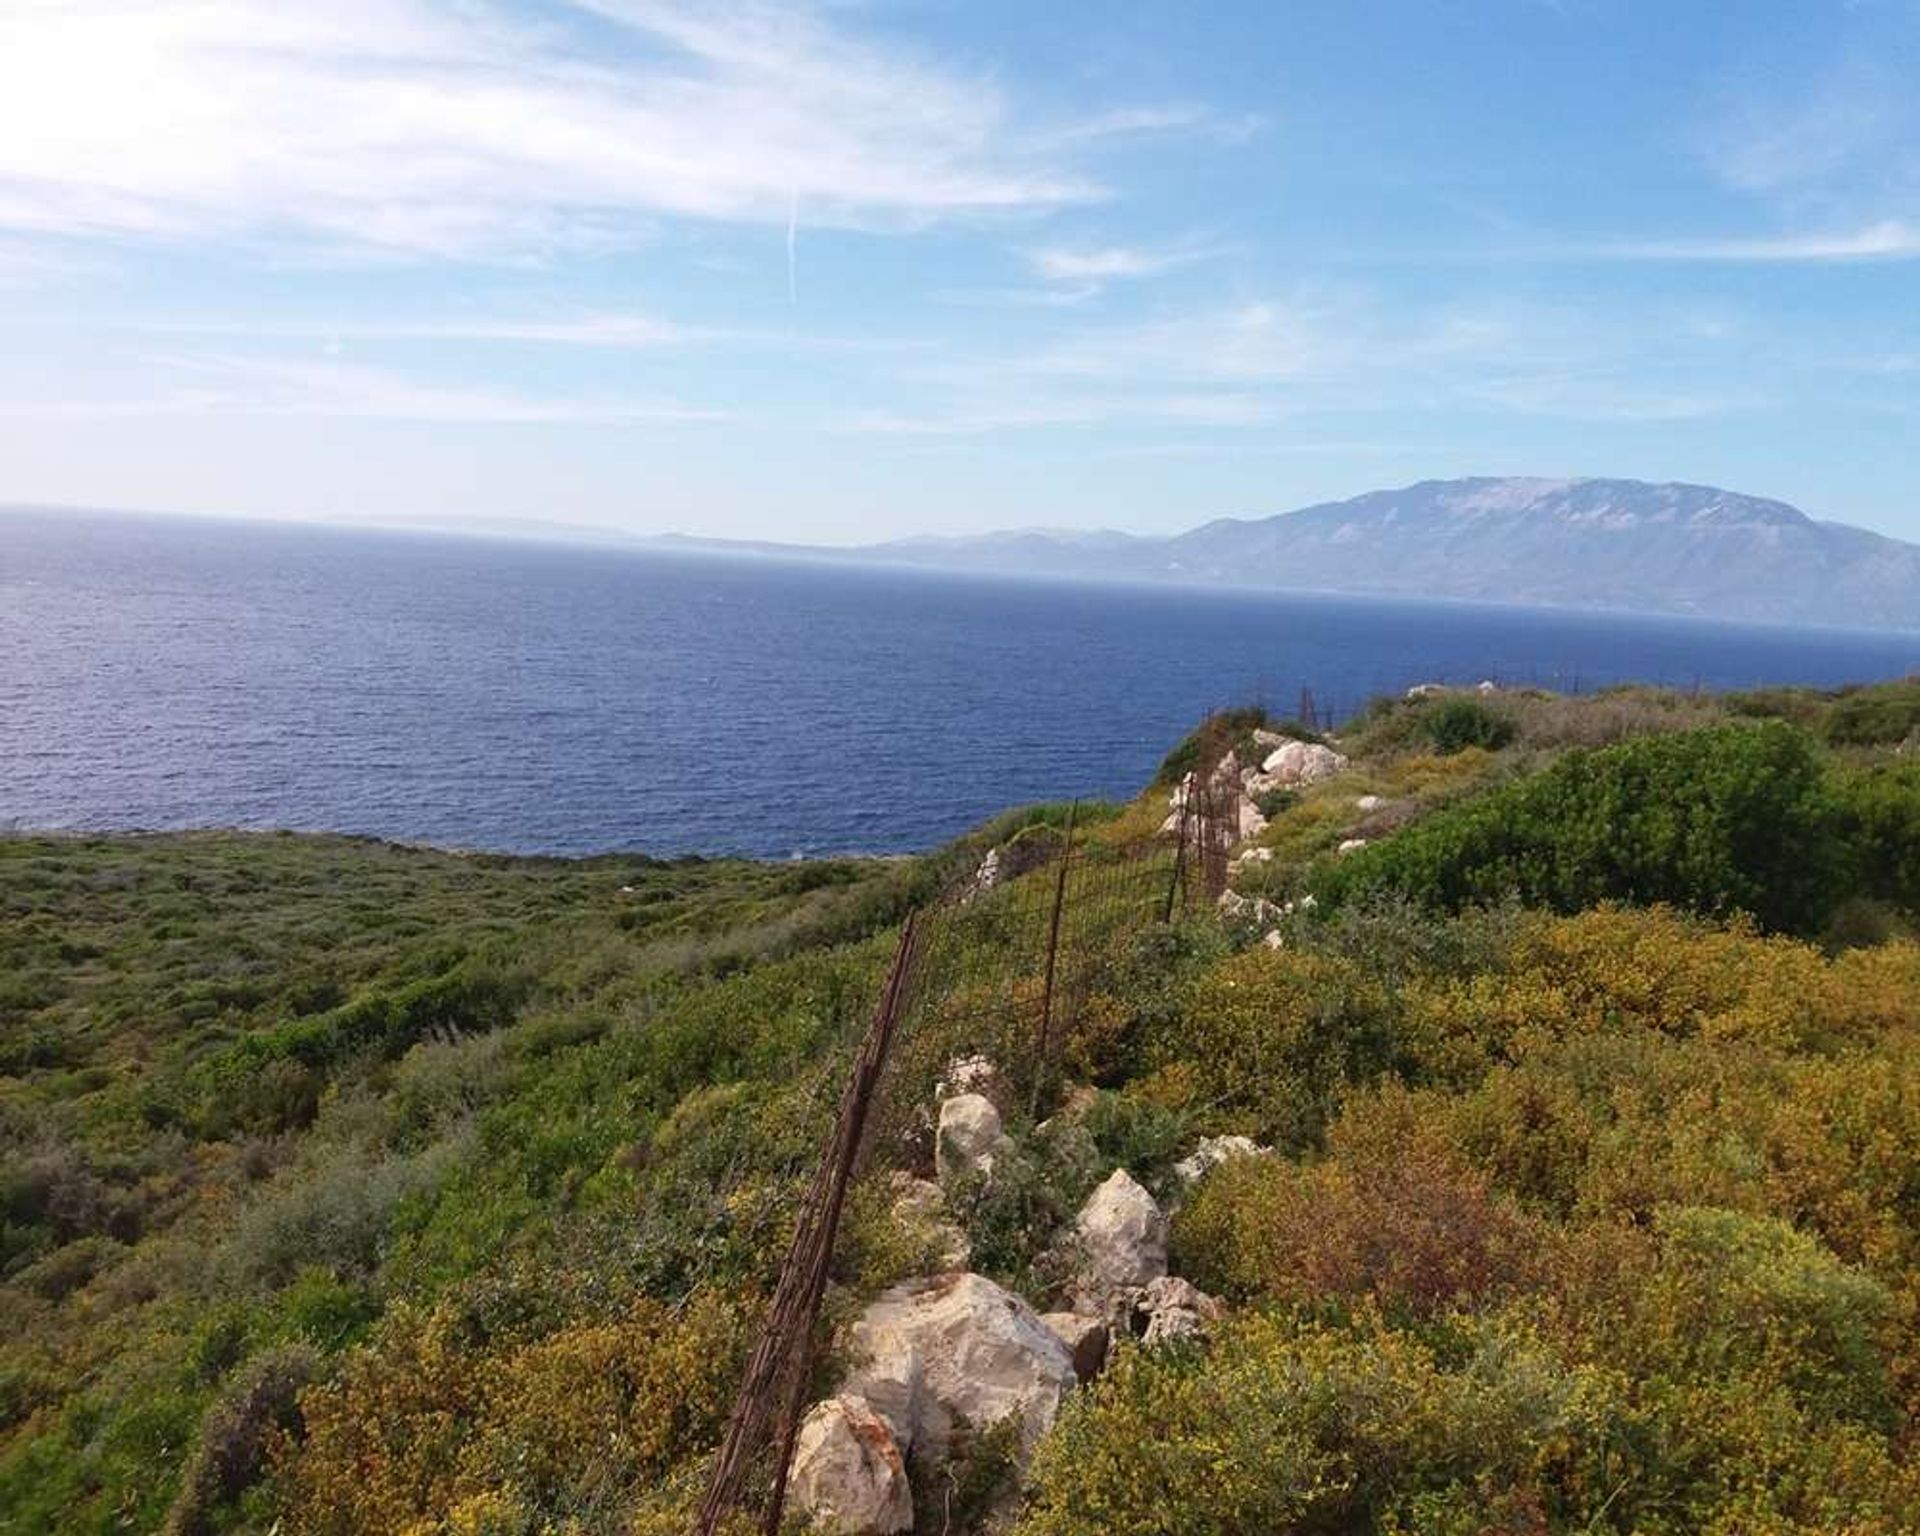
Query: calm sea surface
(160, 673)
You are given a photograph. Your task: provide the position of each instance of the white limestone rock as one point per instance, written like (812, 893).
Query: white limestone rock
(1236, 908)
(1171, 1324)
(1171, 1308)
(1251, 822)
(1211, 1151)
(1226, 773)
(985, 878)
(955, 1347)
(1085, 1338)
(1301, 762)
(849, 1474)
(1121, 1241)
(968, 1074)
(1177, 1293)
(1351, 845)
(969, 1137)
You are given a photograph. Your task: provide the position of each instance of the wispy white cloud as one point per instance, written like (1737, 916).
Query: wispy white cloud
(1888, 240)
(1251, 364)
(1103, 264)
(218, 385)
(1240, 447)
(1851, 133)
(1835, 156)
(600, 330)
(1065, 408)
(454, 128)
(1135, 122)
(1579, 396)
(1258, 342)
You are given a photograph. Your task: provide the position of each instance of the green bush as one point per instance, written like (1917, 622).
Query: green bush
(1269, 1041)
(1455, 722)
(1755, 1298)
(1277, 802)
(1730, 818)
(1881, 809)
(1877, 716)
(1229, 727)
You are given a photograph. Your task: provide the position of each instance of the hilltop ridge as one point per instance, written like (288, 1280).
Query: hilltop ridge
(1575, 543)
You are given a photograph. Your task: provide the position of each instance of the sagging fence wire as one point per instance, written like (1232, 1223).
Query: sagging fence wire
(1002, 966)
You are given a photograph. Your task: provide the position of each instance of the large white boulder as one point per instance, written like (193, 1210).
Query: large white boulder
(969, 1137)
(954, 1347)
(849, 1474)
(1120, 1238)
(1301, 762)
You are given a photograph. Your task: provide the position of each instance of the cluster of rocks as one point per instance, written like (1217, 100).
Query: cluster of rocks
(986, 878)
(1434, 690)
(1287, 764)
(954, 1350)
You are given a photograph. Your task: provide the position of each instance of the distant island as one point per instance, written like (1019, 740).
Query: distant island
(1617, 544)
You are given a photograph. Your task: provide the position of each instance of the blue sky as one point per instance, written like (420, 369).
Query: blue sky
(859, 270)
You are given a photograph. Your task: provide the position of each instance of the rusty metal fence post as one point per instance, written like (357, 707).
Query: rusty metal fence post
(1043, 1043)
(782, 1357)
(1059, 940)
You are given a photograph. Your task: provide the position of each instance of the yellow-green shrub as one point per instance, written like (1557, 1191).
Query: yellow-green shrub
(1410, 1224)
(1297, 1427)
(1271, 1040)
(429, 1430)
(1618, 969)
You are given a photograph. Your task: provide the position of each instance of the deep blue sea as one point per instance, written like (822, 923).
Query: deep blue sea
(164, 673)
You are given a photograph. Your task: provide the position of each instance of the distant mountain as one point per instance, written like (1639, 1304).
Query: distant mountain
(1564, 543)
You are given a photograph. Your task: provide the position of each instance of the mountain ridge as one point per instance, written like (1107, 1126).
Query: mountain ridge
(1602, 543)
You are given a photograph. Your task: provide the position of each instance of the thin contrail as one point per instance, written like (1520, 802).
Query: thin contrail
(793, 232)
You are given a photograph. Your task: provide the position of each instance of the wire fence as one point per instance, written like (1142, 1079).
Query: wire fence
(1004, 966)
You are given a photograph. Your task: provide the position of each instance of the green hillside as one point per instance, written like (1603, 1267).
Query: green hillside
(349, 1188)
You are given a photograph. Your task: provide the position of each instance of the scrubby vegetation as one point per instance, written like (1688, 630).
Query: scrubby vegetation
(351, 1188)
(1614, 1233)
(1721, 819)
